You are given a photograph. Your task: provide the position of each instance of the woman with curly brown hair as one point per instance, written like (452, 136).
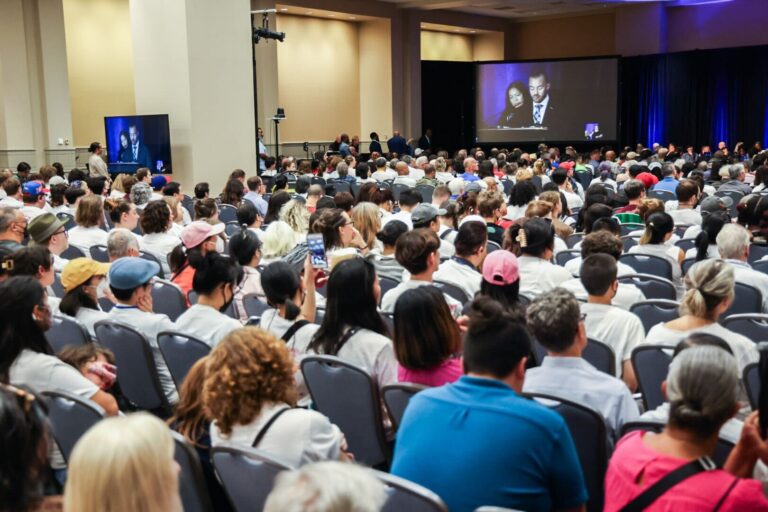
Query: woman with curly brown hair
(250, 395)
(158, 240)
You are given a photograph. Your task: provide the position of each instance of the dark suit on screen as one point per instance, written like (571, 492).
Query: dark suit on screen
(140, 156)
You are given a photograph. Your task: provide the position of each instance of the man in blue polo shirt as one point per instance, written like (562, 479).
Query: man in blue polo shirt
(478, 442)
(470, 169)
(669, 182)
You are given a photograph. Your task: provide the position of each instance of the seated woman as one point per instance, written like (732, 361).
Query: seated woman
(158, 240)
(250, 396)
(295, 214)
(659, 229)
(522, 193)
(706, 240)
(197, 240)
(710, 289)
(702, 388)
(365, 218)
(138, 449)
(386, 264)
(278, 240)
(339, 233)
(245, 247)
(85, 282)
(89, 218)
(215, 279)
(122, 214)
(501, 282)
(35, 262)
(427, 339)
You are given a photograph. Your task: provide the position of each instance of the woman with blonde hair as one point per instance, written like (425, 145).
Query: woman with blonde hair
(250, 395)
(296, 215)
(177, 215)
(89, 217)
(277, 241)
(134, 450)
(365, 218)
(709, 292)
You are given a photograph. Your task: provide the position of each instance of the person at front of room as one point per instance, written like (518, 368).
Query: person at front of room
(514, 113)
(96, 164)
(521, 454)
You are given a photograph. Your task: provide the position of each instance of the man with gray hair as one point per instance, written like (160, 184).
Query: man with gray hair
(733, 246)
(327, 486)
(12, 226)
(121, 244)
(735, 182)
(555, 320)
(417, 171)
(343, 172)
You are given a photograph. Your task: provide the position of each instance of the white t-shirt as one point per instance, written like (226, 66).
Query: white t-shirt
(88, 317)
(574, 267)
(405, 180)
(515, 212)
(297, 437)
(617, 328)
(388, 174)
(390, 298)
(743, 348)
(626, 294)
(538, 275)
(402, 216)
(573, 200)
(712, 252)
(206, 324)
(462, 275)
(85, 238)
(160, 245)
(150, 325)
(687, 216)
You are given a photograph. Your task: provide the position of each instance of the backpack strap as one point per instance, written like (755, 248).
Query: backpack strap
(268, 424)
(298, 324)
(446, 233)
(655, 491)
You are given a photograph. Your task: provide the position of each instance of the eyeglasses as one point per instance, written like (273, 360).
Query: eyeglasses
(582, 317)
(62, 231)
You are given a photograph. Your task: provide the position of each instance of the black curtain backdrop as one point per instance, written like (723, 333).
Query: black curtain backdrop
(697, 97)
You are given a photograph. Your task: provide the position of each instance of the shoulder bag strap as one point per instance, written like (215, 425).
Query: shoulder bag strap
(266, 426)
(727, 492)
(287, 335)
(446, 233)
(644, 499)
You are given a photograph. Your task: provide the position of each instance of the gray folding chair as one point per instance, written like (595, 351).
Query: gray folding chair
(151, 257)
(192, 486)
(398, 188)
(386, 284)
(452, 291)
(628, 242)
(231, 228)
(573, 239)
(246, 474)
(563, 257)
(626, 229)
(136, 363)
(491, 246)
(746, 300)
(72, 252)
(757, 252)
(589, 434)
(426, 192)
(389, 319)
(349, 397)
(254, 306)
(71, 416)
(664, 195)
(405, 495)
(181, 352)
(686, 265)
(656, 311)
(57, 287)
(66, 331)
(99, 253)
(652, 287)
(227, 213)
(342, 186)
(396, 398)
(752, 325)
(686, 243)
(601, 356)
(760, 266)
(651, 365)
(168, 299)
(647, 264)
(752, 383)
(69, 220)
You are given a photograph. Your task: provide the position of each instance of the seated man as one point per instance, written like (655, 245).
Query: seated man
(635, 192)
(687, 199)
(408, 200)
(417, 252)
(560, 178)
(735, 182)
(733, 245)
(12, 228)
(49, 231)
(555, 321)
(490, 206)
(130, 280)
(512, 452)
(403, 175)
(617, 328)
(462, 270)
(426, 215)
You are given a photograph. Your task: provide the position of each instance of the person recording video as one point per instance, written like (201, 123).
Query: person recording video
(136, 152)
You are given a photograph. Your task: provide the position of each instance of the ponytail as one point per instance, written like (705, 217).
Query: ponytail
(292, 310)
(702, 246)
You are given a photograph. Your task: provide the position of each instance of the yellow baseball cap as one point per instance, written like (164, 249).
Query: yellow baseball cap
(80, 270)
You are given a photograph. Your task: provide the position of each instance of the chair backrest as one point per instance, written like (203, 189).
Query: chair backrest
(71, 416)
(99, 253)
(399, 187)
(507, 185)
(386, 284)
(133, 357)
(426, 192)
(231, 228)
(760, 266)
(253, 305)
(151, 257)
(342, 186)
(680, 230)
(651, 365)
(389, 319)
(590, 436)
(647, 264)
(181, 352)
(246, 474)
(686, 243)
(396, 398)
(652, 312)
(752, 383)
(452, 291)
(349, 397)
(491, 246)
(405, 495)
(573, 239)
(601, 356)
(686, 265)
(746, 299)
(57, 287)
(66, 331)
(69, 219)
(72, 252)
(752, 325)
(105, 304)
(652, 287)
(722, 450)
(167, 298)
(664, 195)
(756, 252)
(227, 213)
(629, 227)
(629, 241)
(192, 486)
(563, 257)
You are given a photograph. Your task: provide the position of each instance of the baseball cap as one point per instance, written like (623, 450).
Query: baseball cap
(196, 232)
(714, 204)
(80, 270)
(43, 226)
(56, 180)
(130, 272)
(32, 189)
(648, 179)
(471, 218)
(158, 182)
(632, 155)
(501, 268)
(425, 213)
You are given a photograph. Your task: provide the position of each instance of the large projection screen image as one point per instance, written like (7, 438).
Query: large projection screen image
(567, 101)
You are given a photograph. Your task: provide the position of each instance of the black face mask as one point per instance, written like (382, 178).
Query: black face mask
(227, 303)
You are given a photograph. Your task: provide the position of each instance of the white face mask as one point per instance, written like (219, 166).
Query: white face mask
(101, 289)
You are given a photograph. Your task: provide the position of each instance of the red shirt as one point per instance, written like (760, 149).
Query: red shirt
(632, 459)
(184, 281)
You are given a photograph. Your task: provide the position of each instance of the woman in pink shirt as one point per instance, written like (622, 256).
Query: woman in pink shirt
(702, 388)
(426, 338)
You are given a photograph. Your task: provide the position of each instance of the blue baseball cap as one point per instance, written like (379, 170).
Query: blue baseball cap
(130, 273)
(158, 182)
(32, 189)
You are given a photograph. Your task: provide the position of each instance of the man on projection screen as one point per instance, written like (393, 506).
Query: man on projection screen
(543, 112)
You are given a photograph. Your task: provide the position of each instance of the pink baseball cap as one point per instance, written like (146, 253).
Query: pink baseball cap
(196, 233)
(501, 268)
